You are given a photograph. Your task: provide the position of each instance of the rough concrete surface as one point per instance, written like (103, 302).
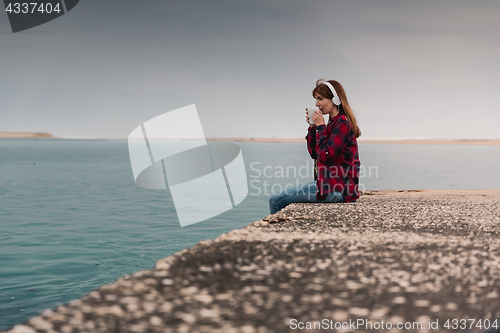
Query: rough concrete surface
(392, 257)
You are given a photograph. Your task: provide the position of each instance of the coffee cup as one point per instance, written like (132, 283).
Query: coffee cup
(310, 112)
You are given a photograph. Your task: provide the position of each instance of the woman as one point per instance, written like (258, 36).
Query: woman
(333, 147)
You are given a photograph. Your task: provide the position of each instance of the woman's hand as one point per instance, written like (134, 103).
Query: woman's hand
(318, 118)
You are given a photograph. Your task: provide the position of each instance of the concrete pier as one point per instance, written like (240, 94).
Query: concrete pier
(413, 260)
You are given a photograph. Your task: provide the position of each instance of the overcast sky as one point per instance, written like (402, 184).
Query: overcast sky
(411, 69)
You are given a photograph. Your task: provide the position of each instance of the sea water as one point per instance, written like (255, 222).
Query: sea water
(73, 219)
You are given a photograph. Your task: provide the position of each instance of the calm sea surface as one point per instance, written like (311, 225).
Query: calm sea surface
(72, 218)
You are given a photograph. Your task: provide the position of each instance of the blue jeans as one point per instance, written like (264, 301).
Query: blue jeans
(302, 193)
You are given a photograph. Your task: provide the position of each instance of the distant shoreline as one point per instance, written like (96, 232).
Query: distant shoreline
(477, 142)
(26, 135)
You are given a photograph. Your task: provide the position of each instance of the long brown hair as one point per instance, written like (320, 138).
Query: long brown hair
(322, 90)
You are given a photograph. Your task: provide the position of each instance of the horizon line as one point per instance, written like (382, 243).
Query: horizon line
(395, 140)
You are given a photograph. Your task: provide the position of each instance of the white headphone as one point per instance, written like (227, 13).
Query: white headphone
(335, 99)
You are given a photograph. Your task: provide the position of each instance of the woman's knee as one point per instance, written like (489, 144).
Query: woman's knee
(275, 197)
(337, 197)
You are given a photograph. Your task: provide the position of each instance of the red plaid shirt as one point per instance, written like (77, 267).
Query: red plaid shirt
(335, 151)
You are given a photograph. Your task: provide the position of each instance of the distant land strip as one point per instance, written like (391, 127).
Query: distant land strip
(26, 135)
(477, 142)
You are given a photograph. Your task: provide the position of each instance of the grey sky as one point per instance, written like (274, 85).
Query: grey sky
(411, 69)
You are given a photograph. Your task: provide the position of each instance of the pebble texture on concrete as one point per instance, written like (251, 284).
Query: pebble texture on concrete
(391, 257)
